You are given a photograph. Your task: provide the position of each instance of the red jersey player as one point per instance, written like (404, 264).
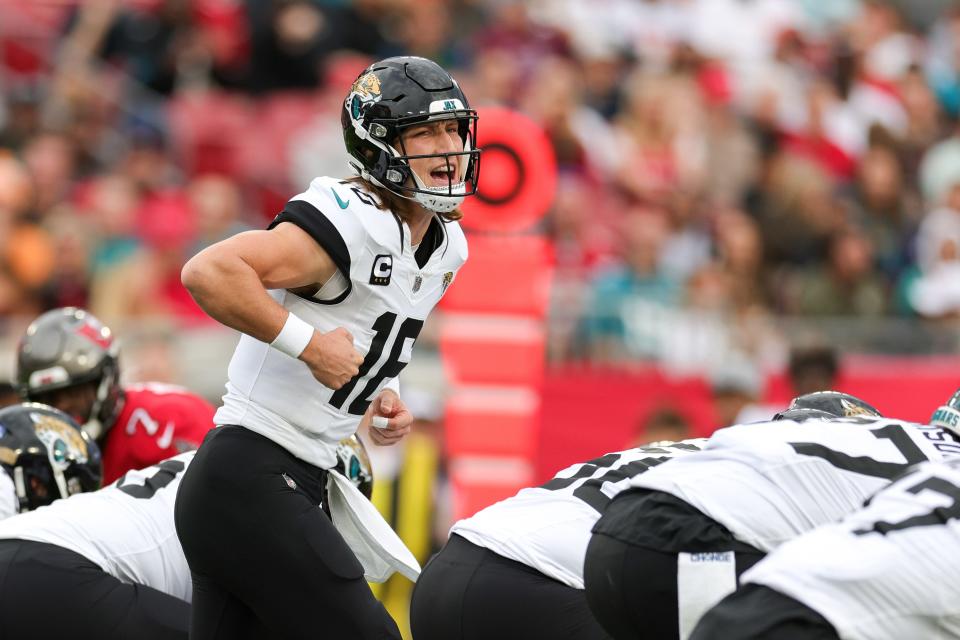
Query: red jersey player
(68, 359)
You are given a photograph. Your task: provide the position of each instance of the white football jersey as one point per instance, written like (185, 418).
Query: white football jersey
(125, 528)
(769, 482)
(888, 571)
(383, 304)
(9, 503)
(548, 527)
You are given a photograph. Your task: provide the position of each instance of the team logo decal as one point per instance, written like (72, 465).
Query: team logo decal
(364, 92)
(382, 268)
(60, 438)
(100, 336)
(850, 409)
(447, 279)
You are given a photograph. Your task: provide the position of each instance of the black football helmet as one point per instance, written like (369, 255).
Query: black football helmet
(47, 454)
(354, 464)
(392, 95)
(947, 416)
(826, 405)
(68, 347)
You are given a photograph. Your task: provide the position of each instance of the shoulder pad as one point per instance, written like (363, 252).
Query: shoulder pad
(457, 249)
(319, 212)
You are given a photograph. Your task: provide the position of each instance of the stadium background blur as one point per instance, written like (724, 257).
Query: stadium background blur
(745, 190)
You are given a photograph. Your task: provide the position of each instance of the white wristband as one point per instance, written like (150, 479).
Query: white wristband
(293, 337)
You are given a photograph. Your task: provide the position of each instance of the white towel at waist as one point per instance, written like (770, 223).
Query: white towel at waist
(376, 545)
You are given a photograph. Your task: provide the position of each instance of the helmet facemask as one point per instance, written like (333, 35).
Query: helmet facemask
(394, 172)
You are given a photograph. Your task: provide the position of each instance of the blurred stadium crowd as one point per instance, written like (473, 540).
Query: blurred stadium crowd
(723, 163)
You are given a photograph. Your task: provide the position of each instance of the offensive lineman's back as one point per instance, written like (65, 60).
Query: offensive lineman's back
(769, 482)
(126, 528)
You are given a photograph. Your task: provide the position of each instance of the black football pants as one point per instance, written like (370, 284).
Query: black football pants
(631, 566)
(756, 612)
(266, 561)
(47, 591)
(467, 592)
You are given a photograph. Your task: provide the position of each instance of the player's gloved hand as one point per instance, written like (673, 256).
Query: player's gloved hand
(332, 358)
(390, 419)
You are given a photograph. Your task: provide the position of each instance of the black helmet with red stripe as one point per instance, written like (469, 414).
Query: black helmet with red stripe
(65, 348)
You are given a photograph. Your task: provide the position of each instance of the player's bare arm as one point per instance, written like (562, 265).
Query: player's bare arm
(229, 280)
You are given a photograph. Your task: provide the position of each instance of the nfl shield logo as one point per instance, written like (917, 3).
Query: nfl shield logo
(417, 281)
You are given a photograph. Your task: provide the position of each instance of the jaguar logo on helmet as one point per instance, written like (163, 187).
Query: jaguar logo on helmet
(365, 91)
(367, 85)
(60, 438)
(850, 409)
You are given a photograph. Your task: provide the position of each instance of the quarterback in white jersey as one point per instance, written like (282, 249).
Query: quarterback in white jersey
(515, 569)
(886, 572)
(330, 299)
(380, 294)
(110, 559)
(752, 488)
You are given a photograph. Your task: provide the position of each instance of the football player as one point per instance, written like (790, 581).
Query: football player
(886, 572)
(44, 456)
(69, 360)
(674, 544)
(110, 559)
(867, 577)
(515, 569)
(330, 299)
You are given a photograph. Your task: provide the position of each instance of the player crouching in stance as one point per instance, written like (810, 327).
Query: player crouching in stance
(110, 559)
(330, 301)
(674, 545)
(515, 569)
(886, 572)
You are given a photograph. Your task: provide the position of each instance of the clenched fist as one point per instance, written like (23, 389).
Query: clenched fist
(331, 357)
(390, 419)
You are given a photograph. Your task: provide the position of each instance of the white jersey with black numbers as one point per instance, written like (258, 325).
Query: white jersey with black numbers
(548, 527)
(382, 293)
(125, 528)
(769, 482)
(886, 572)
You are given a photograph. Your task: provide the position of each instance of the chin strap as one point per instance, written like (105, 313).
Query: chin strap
(93, 428)
(439, 199)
